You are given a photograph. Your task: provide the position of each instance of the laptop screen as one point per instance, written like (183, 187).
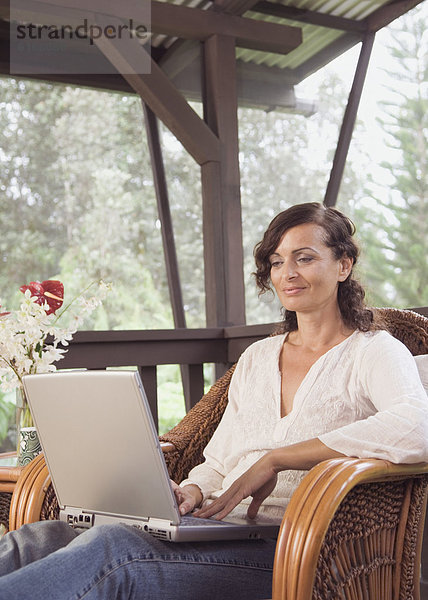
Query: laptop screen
(100, 442)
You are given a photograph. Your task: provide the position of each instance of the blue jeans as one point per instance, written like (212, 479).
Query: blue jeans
(49, 560)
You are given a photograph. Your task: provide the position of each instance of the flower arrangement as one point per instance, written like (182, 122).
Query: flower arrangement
(31, 337)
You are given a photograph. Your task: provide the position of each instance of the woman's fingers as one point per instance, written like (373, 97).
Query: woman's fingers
(220, 507)
(187, 497)
(258, 482)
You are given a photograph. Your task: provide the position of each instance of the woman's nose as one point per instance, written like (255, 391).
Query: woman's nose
(289, 270)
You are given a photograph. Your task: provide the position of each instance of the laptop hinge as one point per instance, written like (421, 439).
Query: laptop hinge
(159, 528)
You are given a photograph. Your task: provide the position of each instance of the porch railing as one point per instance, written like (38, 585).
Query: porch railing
(147, 349)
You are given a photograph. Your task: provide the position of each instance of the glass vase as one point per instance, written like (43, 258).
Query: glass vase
(23, 414)
(28, 444)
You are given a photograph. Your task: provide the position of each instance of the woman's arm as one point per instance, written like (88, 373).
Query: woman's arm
(398, 430)
(260, 479)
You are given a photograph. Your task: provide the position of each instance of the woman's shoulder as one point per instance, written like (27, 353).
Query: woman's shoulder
(271, 342)
(262, 349)
(378, 343)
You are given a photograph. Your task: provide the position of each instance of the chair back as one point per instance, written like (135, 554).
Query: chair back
(409, 327)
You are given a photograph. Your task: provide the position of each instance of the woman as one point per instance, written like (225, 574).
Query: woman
(344, 386)
(332, 384)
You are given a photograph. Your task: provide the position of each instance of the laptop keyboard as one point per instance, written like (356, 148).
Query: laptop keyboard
(194, 521)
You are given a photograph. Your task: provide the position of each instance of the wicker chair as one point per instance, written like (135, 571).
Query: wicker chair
(353, 528)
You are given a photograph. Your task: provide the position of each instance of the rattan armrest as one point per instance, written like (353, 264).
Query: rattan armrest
(168, 447)
(353, 528)
(29, 493)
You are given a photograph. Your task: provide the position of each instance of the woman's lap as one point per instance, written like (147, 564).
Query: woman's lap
(122, 562)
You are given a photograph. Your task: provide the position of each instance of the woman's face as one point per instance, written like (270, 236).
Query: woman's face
(304, 271)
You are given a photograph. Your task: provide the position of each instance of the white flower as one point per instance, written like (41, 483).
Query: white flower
(29, 338)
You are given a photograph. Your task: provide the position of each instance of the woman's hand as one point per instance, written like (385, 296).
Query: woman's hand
(188, 497)
(260, 479)
(259, 482)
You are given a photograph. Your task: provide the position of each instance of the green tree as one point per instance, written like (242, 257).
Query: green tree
(78, 199)
(396, 263)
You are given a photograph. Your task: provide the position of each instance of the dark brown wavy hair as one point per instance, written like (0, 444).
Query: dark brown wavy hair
(338, 235)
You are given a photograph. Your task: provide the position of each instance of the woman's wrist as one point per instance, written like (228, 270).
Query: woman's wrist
(276, 460)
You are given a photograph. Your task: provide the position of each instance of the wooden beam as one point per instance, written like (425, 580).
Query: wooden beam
(221, 190)
(191, 386)
(255, 87)
(149, 378)
(329, 53)
(183, 22)
(214, 254)
(167, 231)
(163, 98)
(258, 86)
(348, 123)
(196, 385)
(384, 15)
(192, 23)
(234, 7)
(303, 15)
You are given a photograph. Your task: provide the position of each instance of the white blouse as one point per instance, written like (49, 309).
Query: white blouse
(363, 398)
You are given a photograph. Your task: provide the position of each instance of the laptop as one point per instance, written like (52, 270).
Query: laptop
(106, 464)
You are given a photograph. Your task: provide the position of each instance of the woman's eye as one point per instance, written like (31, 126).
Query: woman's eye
(275, 264)
(305, 259)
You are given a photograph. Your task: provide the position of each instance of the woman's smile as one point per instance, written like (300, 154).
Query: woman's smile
(292, 291)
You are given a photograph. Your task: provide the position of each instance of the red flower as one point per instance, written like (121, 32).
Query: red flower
(3, 314)
(50, 291)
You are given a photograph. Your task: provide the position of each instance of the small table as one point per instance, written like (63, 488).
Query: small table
(9, 471)
(9, 475)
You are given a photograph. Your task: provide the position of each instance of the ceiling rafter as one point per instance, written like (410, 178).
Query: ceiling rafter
(233, 7)
(174, 20)
(384, 15)
(185, 54)
(192, 23)
(163, 98)
(307, 16)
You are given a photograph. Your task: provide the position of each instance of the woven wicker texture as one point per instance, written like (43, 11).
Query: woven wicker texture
(194, 431)
(50, 508)
(408, 327)
(5, 499)
(416, 508)
(359, 554)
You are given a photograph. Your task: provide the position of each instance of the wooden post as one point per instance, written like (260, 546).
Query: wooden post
(190, 377)
(164, 212)
(348, 122)
(224, 280)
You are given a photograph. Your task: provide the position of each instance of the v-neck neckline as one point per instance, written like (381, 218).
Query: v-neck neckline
(306, 377)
